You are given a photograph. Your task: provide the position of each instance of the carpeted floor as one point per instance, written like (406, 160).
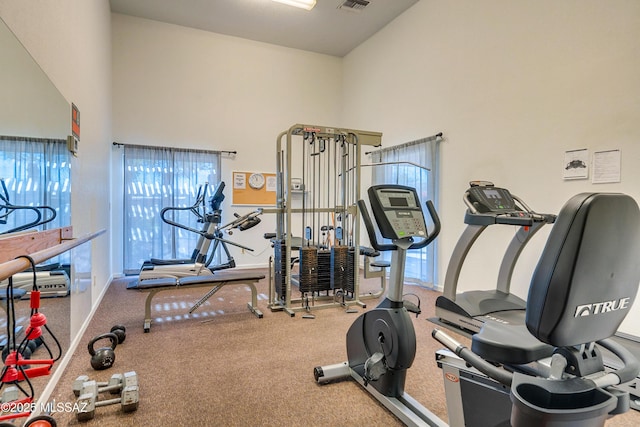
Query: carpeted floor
(226, 367)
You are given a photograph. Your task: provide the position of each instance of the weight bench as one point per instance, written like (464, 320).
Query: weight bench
(218, 280)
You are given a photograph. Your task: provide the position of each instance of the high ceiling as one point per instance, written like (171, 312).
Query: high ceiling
(328, 28)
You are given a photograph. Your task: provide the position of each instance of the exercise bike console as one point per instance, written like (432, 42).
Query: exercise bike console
(397, 212)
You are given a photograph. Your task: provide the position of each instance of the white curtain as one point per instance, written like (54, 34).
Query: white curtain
(155, 178)
(36, 172)
(414, 164)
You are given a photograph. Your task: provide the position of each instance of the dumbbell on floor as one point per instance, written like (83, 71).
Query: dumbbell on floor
(9, 394)
(88, 400)
(113, 386)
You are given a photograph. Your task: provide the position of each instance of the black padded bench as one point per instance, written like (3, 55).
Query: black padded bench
(216, 281)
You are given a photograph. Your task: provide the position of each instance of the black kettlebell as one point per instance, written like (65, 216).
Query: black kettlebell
(104, 357)
(120, 332)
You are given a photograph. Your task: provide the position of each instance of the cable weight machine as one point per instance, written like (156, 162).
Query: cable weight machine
(317, 226)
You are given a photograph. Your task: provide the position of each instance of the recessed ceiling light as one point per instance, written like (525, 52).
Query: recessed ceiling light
(302, 4)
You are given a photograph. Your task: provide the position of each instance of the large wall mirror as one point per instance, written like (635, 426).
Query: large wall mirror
(34, 171)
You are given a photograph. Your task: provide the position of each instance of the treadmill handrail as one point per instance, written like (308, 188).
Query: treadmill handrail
(476, 224)
(384, 247)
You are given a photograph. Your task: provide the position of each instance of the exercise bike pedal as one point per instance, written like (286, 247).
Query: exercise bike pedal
(412, 308)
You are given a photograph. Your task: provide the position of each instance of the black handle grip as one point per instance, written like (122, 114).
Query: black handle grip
(371, 231)
(436, 227)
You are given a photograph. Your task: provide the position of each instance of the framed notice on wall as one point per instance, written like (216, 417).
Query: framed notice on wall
(254, 188)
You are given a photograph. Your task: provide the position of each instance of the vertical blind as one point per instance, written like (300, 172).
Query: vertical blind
(414, 164)
(155, 178)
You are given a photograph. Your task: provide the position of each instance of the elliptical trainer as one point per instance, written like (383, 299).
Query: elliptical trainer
(209, 213)
(381, 343)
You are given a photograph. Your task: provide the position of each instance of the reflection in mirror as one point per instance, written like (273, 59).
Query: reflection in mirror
(35, 186)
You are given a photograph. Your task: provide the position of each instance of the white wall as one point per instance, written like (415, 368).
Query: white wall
(181, 87)
(30, 105)
(512, 85)
(70, 40)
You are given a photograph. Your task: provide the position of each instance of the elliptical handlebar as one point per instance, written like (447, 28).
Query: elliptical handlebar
(7, 208)
(241, 222)
(217, 198)
(194, 208)
(177, 224)
(383, 247)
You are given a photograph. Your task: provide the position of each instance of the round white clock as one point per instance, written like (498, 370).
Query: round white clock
(256, 181)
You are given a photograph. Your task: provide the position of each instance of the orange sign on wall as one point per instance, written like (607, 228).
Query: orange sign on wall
(75, 121)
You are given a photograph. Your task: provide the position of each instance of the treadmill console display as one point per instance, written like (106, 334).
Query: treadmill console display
(397, 211)
(491, 199)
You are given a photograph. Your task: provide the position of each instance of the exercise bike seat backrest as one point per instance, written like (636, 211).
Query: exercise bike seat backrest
(587, 277)
(583, 287)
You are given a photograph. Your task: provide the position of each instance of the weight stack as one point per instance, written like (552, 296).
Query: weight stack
(308, 269)
(324, 270)
(280, 268)
(350, 272)
(339, 266)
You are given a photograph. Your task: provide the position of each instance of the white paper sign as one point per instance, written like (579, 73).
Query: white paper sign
(606, 166)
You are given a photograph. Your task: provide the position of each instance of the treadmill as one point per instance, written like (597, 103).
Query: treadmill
(488, 205)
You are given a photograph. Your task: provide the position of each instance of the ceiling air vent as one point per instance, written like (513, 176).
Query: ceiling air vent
(353, 5)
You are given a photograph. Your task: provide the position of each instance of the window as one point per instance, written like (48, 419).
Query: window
(36, 172)
(414, 164)
(155, 178)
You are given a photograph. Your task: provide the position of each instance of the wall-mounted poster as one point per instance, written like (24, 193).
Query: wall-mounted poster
(576, 164)
(606, 166)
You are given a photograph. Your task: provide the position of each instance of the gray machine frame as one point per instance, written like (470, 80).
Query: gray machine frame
(343, 191)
